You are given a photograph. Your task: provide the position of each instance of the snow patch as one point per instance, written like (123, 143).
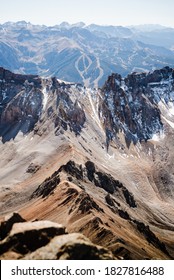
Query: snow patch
(45, 97)
(158, 136)
(123, 85)
(4, 95)
(110, 156)
(169, 122)
(95, 114)
(171, 108)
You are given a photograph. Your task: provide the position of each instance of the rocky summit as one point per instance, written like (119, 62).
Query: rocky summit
(87, 170)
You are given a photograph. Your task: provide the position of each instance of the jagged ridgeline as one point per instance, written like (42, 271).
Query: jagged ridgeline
(90, 169)
(128, 105)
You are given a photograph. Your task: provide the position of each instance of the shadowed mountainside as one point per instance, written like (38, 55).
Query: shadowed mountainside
(97, 161)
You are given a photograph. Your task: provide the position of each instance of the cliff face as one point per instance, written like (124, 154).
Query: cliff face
(130, 105)
(20, 103)
(98, 161)
(23, 104)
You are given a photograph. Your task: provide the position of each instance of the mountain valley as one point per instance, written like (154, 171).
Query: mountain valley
(85, 54)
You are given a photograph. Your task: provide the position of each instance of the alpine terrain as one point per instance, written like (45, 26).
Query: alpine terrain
(85, 54)
(84, 173)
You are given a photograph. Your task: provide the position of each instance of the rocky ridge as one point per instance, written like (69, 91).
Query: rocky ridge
(132, 104)
(97, 161)
(129, 105)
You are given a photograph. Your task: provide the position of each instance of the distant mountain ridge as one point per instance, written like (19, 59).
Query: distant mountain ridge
(83, 54)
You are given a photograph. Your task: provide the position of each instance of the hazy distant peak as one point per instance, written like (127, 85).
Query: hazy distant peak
(64, 24)
(67, 25)
(79, 24)
(82, 53)
(147, 27)
(111, 30)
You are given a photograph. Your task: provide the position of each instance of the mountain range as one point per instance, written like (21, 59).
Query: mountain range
(88, 171)
(85, 54)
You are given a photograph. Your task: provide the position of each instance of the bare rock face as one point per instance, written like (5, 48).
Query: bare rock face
(28, 236)
(150, 236)
(73, 246)
(33, 168)
(87, 159)
(47, 240)
(69, 114)
(87, 172)
(85, 204)
(7, 77)
(130, 104)
(48, 186)
(23, 105)
(8, 223)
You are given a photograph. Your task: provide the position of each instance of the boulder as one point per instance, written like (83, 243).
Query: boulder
(28, 236)
(47, 240)
(74, 246)
(8, 222)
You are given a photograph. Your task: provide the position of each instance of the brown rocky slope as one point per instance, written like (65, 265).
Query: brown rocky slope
(99, 162)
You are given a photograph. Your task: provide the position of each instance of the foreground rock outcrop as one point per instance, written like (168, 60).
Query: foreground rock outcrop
(45, 240)
(73, 246)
